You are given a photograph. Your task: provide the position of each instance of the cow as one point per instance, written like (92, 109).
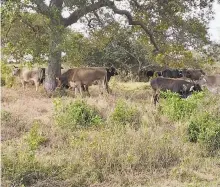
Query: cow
(111, 71)
(26, 75)
(193, 74)
(176, 73)
(212, 83)
(145, 73)
(87, 76)
(180, 86)
(172, 73)
(167, 73)
(82, 78)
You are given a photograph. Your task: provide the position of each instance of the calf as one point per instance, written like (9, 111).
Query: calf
(182, 87)
(26, 75)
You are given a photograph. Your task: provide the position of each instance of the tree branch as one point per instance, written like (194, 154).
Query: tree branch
(132, 22)
(41, 7)
(77, 14)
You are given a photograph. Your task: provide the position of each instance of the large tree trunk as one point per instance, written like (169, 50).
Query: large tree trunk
(54, 63)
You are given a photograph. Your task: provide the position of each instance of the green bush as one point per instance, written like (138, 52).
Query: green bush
(6, 75)
(205, 128)
(76, 114)
(124, 114)
(179, 109)
(34, 138)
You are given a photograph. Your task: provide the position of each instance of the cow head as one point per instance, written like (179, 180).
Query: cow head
(62, 82)
(112, 71)
(180, 73)
(16, 71)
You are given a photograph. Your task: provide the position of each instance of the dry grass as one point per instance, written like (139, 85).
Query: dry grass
(155, 154)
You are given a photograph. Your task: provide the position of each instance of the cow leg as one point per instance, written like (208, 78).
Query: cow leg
(75, 90)
(80, 89)
(23, 84)
(105, 86)
(86, 88)
(36, 85)
(156, 97)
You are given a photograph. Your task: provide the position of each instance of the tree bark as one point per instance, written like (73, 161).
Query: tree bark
(54, 63)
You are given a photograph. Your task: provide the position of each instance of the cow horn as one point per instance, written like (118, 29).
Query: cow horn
(191, 88)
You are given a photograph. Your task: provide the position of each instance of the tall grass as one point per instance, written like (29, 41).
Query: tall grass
(130, 146)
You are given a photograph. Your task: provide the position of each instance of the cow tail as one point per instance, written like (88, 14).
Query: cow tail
(106, 83)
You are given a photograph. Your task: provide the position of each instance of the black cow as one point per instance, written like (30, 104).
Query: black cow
(167, 73)
(172, 73)
(176, 73)
(180, 86)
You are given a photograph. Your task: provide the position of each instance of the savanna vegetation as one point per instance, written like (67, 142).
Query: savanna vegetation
(120, 139)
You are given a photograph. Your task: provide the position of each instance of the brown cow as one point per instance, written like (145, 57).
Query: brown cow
(86, 77)
(82, 78)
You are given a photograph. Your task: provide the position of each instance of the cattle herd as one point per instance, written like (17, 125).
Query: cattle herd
(184, 81)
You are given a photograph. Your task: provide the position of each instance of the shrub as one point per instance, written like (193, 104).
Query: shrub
(20, 166)
(34, 138)
(179, 109)
(205, 128)
(6, 75)
(76, 115)
(124, 114)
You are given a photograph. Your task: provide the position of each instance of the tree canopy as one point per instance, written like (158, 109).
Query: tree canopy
(161, 29)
